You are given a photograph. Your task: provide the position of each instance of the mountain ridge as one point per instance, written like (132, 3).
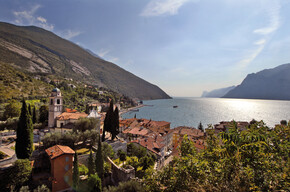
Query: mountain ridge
(216, 93)
(271, 83)
(35, 50)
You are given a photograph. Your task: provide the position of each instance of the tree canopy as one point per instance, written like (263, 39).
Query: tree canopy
(255, 159)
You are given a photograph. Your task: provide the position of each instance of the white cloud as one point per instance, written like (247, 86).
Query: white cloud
(260, 42)
(274, 22)
(27, 17)
(162, 7)
(114, 59)
(68, 34)
(41, 19)
(273, 11)
(103, 52)
(249, 58)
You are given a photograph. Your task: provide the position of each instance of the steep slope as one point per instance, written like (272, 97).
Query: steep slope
(217, 92)
(267, 84)
(36, 50)
(15, 84)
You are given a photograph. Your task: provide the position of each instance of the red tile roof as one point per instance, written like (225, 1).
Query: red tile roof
(70, 110)
(67, 116)
(151, 144)
(190, 131)
(58, 150)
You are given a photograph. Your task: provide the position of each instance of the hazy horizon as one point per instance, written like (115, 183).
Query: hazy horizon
(183, 46)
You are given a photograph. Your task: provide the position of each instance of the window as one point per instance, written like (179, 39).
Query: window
(66, 178)
(66, 159)
(58, 101)
(66, 167)
(51, 101)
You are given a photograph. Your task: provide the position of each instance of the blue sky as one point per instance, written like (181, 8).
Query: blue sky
(183, 46)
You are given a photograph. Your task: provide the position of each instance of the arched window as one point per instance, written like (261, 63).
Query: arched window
(51, 101)
(58, 101)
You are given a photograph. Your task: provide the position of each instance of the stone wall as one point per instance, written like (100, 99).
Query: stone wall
(120, 174)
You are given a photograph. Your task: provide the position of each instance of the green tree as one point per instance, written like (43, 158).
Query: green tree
(187, 147)
(129, 186)
(94, 183)
(91, 164)
(146, 162)
(29, 110)
(20, 172)
(107, 151)
(200, 127)
(76, 173)
(122, 155)
(24, 133)
(108, 122)
(100, 160)
(34, 118)
(24, 189)
(12, 110)
(43, 114)
(115, 124)
(85, 124)
(42, 188)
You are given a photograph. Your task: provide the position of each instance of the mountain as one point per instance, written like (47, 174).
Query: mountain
(267, 84)
(93, 54)
(34, 50)
(16, 84)
(217, 92)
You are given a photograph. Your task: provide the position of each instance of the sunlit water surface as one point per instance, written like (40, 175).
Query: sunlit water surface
(191, 111)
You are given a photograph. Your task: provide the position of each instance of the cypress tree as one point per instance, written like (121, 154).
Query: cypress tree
(34, 115)
(100, 160)
(115, 126)
(24, 134)
(29, 109)
(200, 126)
(108, 122)
(91, 165)
(76, 173)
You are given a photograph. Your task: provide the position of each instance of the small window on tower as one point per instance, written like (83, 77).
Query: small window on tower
(51, 101)
(58, 101)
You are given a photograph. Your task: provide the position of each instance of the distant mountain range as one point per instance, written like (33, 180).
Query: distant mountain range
(267, 84)
(33, 50)
(217, 92)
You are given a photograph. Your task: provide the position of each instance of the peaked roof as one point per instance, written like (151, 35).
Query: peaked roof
(67, 116)
(58, 150)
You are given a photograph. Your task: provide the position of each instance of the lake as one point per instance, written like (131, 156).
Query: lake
(191, 111)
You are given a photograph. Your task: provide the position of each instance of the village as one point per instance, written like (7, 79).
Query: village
(139, 144)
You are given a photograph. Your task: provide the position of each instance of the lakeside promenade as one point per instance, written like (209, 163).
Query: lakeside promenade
(130, 109)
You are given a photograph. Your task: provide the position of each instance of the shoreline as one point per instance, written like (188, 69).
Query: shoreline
(131, 109)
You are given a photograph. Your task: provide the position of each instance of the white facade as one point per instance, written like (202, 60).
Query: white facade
(55, 107)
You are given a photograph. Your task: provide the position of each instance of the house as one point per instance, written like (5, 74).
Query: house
(61, 161)
(66, 118)
(224, 125)
(180, 131)
(153, 145)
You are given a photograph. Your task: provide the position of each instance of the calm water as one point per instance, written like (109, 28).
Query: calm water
(191, 111)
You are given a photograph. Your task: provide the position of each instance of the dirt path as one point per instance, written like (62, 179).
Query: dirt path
(6, 149)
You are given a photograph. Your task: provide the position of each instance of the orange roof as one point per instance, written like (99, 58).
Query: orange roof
(70, 110)
(67, 116)
(138, 131)
(190, 131)
(58, 150)
(151, 144)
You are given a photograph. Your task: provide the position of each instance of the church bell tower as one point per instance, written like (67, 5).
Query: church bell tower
(55, 107)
